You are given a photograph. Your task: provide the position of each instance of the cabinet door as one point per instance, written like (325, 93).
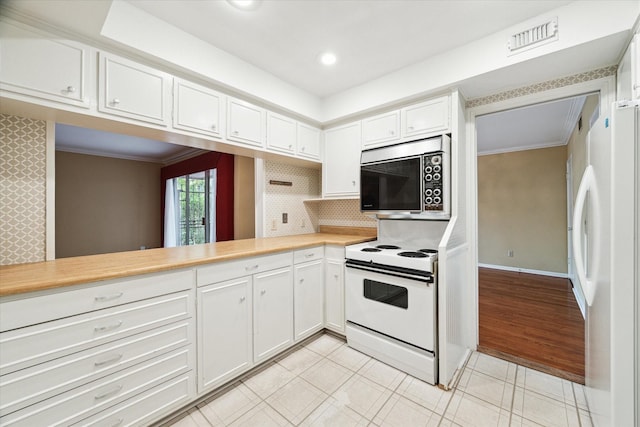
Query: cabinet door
(43, 66)
(308, 298)
(197, 109)
(281, 133)
(381, 130)
(308, 142)
(427, 117)
(224, 332)
(273, 313)
(341, 167)
(245, 123)
(334, 295)
(132, 90)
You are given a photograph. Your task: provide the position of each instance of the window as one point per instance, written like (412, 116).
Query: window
(191, 209)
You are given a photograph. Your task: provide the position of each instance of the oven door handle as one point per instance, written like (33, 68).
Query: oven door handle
(425, 279)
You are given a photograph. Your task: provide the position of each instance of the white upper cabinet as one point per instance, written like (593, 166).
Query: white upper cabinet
(308, 142)
(42, 66)
(245, 123)
(198, 109)
(341, 166)
(129, 89)
(381, 130)
(426, 117)
(281, 133)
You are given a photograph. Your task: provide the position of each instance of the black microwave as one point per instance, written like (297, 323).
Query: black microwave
(409, 180)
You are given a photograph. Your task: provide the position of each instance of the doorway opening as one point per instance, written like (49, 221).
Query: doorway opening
(529, 310)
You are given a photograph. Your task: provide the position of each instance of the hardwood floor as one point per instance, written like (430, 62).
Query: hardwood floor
(533, 321)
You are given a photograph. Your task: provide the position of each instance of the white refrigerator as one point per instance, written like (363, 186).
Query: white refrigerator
(607, 252)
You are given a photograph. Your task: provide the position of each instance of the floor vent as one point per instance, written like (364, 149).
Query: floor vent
(533, 37)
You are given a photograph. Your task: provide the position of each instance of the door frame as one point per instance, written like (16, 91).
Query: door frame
(606, 86)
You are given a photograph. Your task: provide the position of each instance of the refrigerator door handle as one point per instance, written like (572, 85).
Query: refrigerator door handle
(587, 185)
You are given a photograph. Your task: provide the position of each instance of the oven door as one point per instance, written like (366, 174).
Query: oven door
(398, 307)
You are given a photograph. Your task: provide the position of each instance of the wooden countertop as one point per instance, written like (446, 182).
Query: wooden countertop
(21, 278)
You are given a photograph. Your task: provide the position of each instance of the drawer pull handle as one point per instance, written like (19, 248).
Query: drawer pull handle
(111, 392)
(251, 268)
(109, 361)
(104, 298)
(108, 327)
(309, 255)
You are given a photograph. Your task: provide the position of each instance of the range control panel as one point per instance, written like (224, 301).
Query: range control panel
(433, 181)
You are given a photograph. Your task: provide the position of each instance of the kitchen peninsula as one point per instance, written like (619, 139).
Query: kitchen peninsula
(137, 335)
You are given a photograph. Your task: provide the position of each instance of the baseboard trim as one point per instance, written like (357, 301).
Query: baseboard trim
(525, 270)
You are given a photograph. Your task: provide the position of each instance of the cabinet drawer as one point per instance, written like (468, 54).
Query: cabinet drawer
(37, 383)
(246, 266)
(148, 406)
(87, 400)
(309, 254)
(24, 347)
(31, 310)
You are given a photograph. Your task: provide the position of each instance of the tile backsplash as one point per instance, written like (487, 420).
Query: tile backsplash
(22, 190)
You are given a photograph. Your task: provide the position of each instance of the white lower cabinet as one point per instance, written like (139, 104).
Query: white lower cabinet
(334, 289)
(272, 313)
(308, 292)
(224, 331)
(66, 369)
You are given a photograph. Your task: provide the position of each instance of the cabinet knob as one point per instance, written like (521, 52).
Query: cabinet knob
(115, 101)
(302, 149)
(262, 292)
(353, 183)
(242, 299)
(213, 127)
(290, 146)
(71, 89)
(392, 132)
(235, 132)
(335, 276)
(301, 280)
(410, 128)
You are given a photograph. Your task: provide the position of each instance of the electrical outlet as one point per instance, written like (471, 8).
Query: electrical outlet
(285, 218)
(274, 225)
(510, 253)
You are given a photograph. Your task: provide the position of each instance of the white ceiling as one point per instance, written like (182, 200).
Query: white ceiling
(542, 125)
(370, 38)
(99, 143)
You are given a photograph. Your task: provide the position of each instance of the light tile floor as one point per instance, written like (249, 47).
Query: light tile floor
(327, 383)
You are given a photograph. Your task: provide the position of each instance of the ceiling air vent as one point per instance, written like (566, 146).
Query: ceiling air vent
(533, 37)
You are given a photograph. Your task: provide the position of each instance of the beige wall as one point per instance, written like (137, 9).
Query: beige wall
(244, 204)
(522, 207)
(22, 190)
(105, 205)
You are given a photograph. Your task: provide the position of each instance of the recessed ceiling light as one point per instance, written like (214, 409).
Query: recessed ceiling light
(328, 58)
(244, 4)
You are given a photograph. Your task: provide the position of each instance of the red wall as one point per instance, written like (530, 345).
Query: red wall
(224, 191)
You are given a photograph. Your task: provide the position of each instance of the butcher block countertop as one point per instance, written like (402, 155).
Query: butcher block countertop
(21, 278)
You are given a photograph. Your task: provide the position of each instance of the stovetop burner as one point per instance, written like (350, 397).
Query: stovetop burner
(371, 250)
(413, 254)
(388, 247)
(428, 251)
